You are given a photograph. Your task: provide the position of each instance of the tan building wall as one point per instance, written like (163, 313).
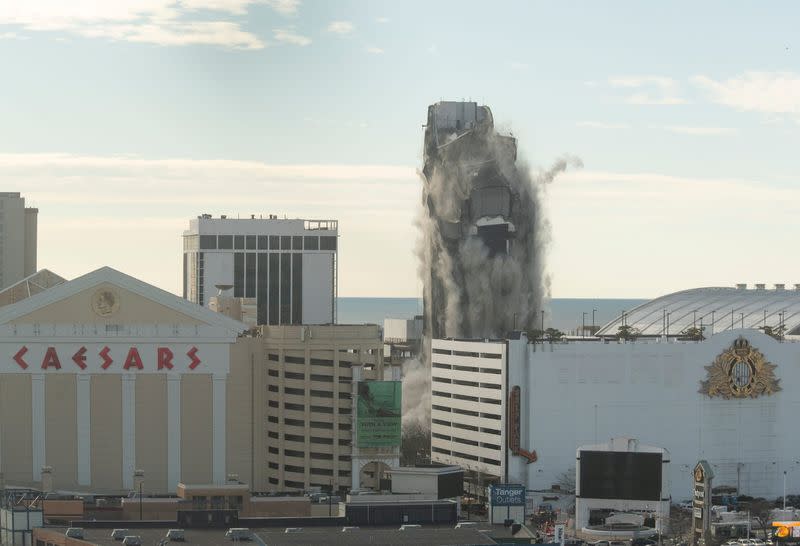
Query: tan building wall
(307, 439)
(106, 433)
(240, 417)
(196, 440)
(151, 431)
(15, 419)
(61, 429)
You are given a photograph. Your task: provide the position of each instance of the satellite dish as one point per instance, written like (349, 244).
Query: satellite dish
(222, 288)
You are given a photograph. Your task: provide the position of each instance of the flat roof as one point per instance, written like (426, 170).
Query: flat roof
(435, 470)
(277, 536)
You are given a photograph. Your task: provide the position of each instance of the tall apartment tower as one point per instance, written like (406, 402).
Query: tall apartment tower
(283, 269)
(17, 239)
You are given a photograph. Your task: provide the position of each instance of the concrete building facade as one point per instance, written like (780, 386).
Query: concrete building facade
(285, 269)
(730, 399)
(468, 404)
(18, 232)
(309, 383)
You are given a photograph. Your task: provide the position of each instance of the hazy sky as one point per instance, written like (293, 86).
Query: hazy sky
(122, 119)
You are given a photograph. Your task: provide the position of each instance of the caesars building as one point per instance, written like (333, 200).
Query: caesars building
(104, 376)
(516, 411)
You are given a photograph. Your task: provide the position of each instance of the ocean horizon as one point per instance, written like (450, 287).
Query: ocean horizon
(565, 314)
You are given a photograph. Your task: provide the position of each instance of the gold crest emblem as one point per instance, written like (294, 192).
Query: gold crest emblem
(698, 474)
(740, 372)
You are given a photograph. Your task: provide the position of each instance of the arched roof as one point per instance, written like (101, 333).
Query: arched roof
(726, 308)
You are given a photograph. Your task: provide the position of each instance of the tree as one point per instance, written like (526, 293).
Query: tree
(415, 445)
(535, 335)
(627, 332)
(552, 335)
(680, 523)
(759, 511)
(566, 480)
(693, 333)
(775, 332)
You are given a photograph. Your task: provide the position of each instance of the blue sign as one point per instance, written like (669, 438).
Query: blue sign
(507, 494)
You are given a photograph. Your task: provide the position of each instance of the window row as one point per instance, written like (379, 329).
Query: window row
(267, 242)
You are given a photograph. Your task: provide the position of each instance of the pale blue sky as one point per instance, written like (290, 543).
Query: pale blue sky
(122, 119)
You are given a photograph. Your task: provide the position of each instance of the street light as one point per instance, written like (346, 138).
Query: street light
(784, 490)
(593, 312)
(583, 324)
(138, 481)
(785, 472)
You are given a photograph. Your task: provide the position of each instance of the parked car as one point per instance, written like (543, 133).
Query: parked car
(119, 534)
(176, 535)
(74, 532)
(132, 540)
(239, 533)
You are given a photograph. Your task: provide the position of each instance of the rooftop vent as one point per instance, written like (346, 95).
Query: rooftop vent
(780, 286)
(761, 286)
(741, 286)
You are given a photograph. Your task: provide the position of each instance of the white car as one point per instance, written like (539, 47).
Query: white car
(239, 533)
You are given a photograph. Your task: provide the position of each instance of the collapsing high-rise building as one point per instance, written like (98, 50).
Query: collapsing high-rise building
(482, 228)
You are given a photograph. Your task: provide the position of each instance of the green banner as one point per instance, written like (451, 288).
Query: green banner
(379, 407)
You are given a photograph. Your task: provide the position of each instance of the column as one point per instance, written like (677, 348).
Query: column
(128, 430)
(173, 431)
(38, 431)
(84, 427)
(219, 386)
(355, 458)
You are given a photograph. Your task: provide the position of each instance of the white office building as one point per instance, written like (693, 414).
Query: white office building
(286, 269)
(17, 239)
(518, 410)
(468, 394)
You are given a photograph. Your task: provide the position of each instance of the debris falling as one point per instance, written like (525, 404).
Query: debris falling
(483, 230)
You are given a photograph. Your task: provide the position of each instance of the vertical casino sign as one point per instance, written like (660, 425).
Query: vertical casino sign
(701, 503)
(514, 428)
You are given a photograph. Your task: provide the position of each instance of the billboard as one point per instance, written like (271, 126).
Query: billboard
(620, 475)
(378, 413)
(504, 494)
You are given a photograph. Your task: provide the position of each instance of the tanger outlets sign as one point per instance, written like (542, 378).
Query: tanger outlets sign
(504, 494)
(39, 358)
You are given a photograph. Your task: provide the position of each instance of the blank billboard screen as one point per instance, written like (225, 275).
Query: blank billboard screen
(619, 475)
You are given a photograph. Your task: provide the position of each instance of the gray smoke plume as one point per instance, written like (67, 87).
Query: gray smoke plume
(483, 228)
(416, 393)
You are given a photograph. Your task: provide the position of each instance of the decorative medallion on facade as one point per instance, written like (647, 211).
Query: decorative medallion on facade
(740, 372)
(105, 302)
